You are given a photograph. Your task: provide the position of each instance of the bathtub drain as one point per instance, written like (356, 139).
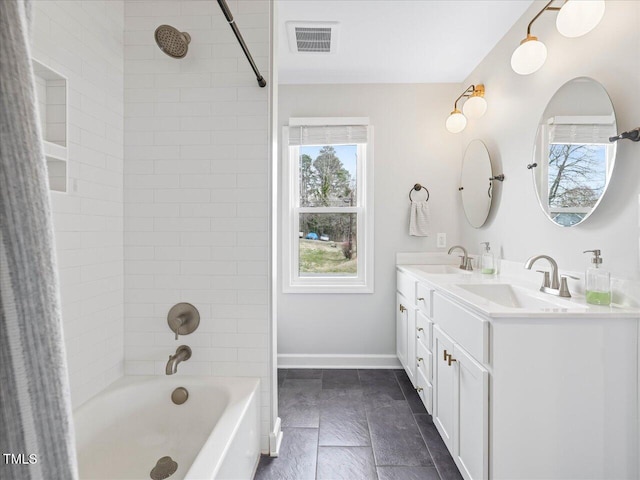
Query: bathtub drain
(165, 467)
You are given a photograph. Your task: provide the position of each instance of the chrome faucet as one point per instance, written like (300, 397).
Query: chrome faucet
(183, 353)
(552, 284)
(465, 263)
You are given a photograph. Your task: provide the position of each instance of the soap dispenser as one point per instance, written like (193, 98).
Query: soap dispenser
(597, 281)
(488, 262)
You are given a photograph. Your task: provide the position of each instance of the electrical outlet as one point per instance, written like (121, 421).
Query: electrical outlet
(442, 240)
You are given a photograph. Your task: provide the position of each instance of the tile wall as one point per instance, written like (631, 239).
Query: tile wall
(196, 198)
(83, 40)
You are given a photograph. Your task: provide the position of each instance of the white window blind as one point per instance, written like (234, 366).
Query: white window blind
(328, 135)
(581, 129)
(580, 134)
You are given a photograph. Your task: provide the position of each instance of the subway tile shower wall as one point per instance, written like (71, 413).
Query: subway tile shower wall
(196, 190)
(82, 40)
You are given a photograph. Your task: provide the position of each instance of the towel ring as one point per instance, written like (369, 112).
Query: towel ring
(417, 187)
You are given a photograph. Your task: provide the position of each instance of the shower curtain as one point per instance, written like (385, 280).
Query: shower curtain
(36, 434)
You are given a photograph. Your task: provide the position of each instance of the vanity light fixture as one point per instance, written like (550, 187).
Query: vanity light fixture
(575, 18)
(474, 106)
(579, 17)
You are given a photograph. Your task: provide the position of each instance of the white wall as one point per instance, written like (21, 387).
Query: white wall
(411, 146)
(83, 41)
(517, 225)
(196, 190)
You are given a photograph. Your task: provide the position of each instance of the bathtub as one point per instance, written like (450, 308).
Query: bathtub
(123, 431)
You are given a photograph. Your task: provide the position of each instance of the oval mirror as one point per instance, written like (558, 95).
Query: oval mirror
(475, 183)
(572, 157)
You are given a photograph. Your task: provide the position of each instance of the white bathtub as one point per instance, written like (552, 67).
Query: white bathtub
(127, 428)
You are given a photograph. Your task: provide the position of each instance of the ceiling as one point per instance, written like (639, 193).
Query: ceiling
(396, 41)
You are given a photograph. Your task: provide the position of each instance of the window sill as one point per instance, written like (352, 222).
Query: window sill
(327, 289)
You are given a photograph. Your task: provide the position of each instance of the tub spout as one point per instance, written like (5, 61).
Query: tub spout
(183, 353)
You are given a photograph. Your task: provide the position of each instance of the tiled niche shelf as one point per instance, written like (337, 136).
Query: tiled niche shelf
(51, 96)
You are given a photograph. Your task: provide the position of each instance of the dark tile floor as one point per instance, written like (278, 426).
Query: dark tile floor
(355, 424)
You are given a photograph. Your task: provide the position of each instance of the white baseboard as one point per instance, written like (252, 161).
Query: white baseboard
(275, 439)
(286, 360)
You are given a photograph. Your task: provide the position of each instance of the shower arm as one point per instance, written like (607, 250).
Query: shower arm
(227, 13)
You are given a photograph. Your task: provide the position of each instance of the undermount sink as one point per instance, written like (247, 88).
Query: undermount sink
(517, 297)
(441, 269)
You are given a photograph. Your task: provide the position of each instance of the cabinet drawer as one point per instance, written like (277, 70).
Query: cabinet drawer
(424, 298)
(426, 364)
(425, 391)
(406, 285)
(423, 329)
(463, 326)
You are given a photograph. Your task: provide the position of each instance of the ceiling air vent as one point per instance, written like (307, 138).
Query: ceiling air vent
(313, 37)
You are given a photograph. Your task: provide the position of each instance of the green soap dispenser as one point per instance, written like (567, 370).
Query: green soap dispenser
(597, 281)
(488, 265)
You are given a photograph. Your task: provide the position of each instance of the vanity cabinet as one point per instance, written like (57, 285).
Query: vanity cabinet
(461, 405)
(443, 404)
(402, 314)
(550, 395)
(471, 418)
(406, 325)
(424, 359)
(413, 333)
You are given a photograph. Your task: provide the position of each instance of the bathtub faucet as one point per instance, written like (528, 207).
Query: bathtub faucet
(183, 353)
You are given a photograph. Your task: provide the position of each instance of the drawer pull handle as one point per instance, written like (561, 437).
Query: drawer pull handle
(419, 389)
(402, 308)
(421, 299)
(450, 359)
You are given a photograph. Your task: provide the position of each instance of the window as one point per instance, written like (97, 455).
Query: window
(328, 205)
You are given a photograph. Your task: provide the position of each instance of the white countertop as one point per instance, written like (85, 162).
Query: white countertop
(542, 305)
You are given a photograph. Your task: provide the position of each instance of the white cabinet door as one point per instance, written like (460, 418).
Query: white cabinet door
(411, 365)
(401, 329)
(443, 386)
(471, 419)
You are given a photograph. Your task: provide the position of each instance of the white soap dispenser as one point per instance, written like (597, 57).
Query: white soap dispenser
(597, 281)
(488, 261)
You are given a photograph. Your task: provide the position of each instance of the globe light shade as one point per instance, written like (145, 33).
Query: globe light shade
(456, 122)
(579, 17)
(474, 107)
(529, 56)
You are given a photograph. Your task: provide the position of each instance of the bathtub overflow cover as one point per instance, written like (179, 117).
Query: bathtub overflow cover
(179, 395)
(165, 467)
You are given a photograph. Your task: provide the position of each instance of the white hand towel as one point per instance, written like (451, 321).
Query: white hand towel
(419, 222)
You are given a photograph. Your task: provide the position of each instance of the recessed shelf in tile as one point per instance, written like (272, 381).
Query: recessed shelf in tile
(57, 170)
(51, 98)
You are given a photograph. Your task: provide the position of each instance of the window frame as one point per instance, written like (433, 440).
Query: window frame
(291, 210)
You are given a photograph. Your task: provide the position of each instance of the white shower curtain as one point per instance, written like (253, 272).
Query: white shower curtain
(36, 434)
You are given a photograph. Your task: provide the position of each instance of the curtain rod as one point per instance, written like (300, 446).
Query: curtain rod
(227, 13)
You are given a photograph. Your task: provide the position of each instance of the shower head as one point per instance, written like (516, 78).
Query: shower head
(171, 41)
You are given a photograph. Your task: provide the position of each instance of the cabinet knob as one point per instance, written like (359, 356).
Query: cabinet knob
(419, 389)
(420, 359)
(420, 329)
(402, 308)
(445, 355)
(450, 359)
(421, 299)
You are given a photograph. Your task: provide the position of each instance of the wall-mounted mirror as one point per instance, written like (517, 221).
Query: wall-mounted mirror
(476, 184)
(572, 157)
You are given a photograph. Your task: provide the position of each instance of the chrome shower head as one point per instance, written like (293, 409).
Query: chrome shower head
(171, 41)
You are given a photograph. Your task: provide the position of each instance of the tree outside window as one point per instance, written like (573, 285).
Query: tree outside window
(328, 179)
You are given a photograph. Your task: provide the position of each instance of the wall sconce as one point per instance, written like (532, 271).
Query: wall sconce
(474, 107)
(575, 18)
